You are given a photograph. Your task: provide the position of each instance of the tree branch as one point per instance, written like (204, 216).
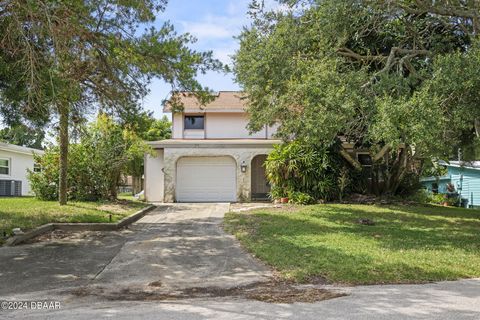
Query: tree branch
(379, 155)
(441, 10)
(355, 164)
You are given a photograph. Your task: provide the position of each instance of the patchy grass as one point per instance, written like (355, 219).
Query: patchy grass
(407, 244)
(27, 212)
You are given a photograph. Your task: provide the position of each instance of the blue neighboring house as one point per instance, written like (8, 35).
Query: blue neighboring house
(465, 177)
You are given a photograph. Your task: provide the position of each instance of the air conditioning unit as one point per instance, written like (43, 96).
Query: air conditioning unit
(10, 188)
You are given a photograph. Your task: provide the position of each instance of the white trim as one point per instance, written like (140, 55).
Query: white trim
(19, 149)
(9, 167)
(214, 143)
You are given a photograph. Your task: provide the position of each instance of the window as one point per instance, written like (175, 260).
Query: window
(194, 122)
(5, 166)
(365, 159)
(37, 168)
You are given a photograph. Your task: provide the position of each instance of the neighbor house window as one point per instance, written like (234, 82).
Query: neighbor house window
(37, 168)
(5, 166)
(195, 122)
(434, 187)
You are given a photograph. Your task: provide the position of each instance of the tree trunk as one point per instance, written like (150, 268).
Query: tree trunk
(63, 112)
(136, 184)
(477, 127)
(114, 185)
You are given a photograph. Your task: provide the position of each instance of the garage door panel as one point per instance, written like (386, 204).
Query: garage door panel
(203, 179)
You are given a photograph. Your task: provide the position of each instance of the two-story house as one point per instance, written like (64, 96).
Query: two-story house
(211, 156)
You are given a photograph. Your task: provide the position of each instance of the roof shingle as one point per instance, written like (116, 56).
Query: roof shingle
(225, 100)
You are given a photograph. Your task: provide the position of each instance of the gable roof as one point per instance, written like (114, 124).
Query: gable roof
(229, 101)
(462, 164)
(19, 149)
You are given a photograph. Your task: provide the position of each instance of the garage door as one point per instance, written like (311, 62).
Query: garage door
(206, 179)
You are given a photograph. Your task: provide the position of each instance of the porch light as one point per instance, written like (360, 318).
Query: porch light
(243, 167)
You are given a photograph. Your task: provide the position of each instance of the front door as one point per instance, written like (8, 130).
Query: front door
(260, 185)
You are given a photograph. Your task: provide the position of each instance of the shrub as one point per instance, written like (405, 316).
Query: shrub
(84, 178)
(437, 198)
(302, 167)
(94, 165)
(450, 199)
(296, 197)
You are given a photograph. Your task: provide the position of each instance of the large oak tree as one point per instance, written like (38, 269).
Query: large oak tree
(396, 77)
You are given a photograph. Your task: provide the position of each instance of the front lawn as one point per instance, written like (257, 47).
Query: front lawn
(27, 213)
(407, 244)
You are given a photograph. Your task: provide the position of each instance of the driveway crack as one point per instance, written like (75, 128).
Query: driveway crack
(108, 263)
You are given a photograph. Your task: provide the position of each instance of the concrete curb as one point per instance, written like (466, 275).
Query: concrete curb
(18, 239)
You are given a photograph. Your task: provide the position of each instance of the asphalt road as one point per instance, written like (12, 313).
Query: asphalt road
(446, 300)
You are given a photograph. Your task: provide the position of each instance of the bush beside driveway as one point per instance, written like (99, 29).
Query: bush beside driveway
(406, 244)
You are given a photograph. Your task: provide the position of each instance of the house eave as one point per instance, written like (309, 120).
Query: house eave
(224, 143)
(19, 149)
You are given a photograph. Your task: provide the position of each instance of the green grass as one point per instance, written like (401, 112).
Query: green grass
(27, 212)
(408, 244)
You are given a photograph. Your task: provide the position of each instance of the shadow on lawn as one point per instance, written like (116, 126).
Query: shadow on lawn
(410, 227)
(328, 239)
(336, 266)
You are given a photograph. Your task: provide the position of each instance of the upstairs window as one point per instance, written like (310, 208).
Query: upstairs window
(4, 166)
(194, 122)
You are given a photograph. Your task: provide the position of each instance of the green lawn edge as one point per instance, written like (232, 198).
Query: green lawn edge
(28, 213)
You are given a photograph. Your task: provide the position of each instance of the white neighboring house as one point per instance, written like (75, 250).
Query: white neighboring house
(14, 162)
(211, 157)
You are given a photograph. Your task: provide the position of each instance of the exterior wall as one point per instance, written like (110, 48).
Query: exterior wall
(19, 163)
(467, 183)
(194, 134)
(171, 156)
(442, 184)
(177, 126)
(222, 125)
(230, 126)
(154, 177)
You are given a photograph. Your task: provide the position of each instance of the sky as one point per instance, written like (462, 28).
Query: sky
(214, 23)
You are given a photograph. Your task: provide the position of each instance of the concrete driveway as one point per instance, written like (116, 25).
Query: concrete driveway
(174, 246)
(182, 246)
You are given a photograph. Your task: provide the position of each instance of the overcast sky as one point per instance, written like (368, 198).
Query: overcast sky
(214, 23)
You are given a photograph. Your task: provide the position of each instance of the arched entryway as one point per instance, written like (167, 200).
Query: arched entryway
(260, 186)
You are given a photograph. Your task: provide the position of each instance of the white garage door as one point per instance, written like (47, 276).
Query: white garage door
(204, 179)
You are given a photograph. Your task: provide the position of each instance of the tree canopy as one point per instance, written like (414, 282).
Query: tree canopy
(395, 77)
(61, 59)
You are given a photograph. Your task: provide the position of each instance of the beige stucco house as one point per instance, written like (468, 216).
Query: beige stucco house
(211, 157)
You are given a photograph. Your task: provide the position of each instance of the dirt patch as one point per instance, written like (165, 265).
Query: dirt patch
(272, 291)
(114, 208)
(318, 280)
(242, 207)
(67, 235)
(155, 284)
